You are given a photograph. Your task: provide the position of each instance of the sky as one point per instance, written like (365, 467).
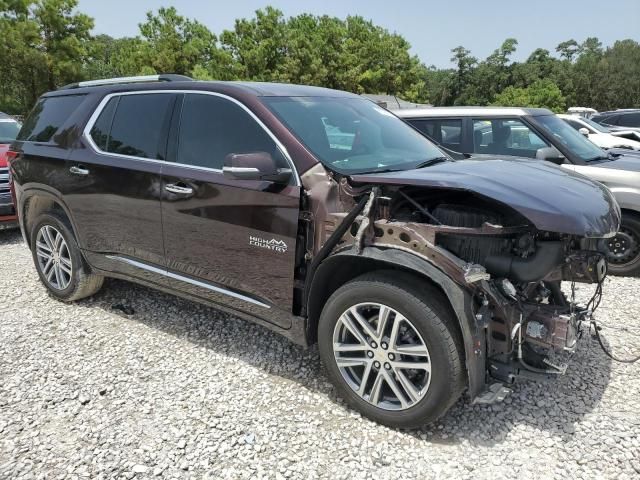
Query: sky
(432, 28)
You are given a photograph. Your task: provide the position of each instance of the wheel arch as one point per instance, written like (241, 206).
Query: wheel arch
(346, 265)
(36, 202)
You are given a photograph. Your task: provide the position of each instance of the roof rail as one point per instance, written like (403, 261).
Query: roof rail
(168, 77)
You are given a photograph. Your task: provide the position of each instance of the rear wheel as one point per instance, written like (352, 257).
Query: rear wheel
(623, 250)
(58, 260)
(392, 350)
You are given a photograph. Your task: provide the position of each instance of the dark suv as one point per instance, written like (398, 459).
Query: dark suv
(625, 118)
(322, 216)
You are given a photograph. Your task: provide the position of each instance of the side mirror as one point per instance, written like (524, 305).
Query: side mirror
(254, 166)
(550, 154)
(584, 131)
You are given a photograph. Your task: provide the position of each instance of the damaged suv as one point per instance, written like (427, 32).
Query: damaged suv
(322, 216)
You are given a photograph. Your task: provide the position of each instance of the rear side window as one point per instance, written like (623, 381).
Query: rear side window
(629, 120)
(212, 128)
(445, 132)
(48, 116)
(132, 125)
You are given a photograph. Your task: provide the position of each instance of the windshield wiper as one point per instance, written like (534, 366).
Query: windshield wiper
(432, 161)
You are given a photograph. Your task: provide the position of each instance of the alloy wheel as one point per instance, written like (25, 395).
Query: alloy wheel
(381, 356)
(54, 258)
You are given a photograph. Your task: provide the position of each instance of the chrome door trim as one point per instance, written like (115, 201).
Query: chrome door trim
(197, 283)
(86, 134)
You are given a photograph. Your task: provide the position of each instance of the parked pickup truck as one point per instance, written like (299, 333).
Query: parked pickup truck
(9, 128)
(322, 216)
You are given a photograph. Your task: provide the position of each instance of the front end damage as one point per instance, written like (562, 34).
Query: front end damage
(522, 325)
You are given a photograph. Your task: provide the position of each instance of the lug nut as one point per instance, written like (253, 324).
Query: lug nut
(376, 364)
(374, 345)
(387, 366)
(384, 345)
(392, 356)
(370, 354)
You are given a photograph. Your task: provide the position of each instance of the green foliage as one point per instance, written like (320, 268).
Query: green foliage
(43, 45)
(542, 93)
(47, 43)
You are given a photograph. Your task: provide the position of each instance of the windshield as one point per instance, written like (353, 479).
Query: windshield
(575, 142)
(596, 126)
(353, 135)
(8, 130)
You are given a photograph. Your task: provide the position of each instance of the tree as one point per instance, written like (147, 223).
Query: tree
(174, 44)
(43, 44)
(541, 94)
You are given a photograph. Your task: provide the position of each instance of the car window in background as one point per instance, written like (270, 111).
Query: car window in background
(575, 125)
(629, 120)
(445, 132)
(137, 125)
(596, 126)
(573, 141)
(47, 117)
(8, 130)
(353, 135)
(505, 137)
(212, 128)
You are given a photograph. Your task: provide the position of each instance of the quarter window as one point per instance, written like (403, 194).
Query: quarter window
(505, 137)
(212, 127)
(49, 114)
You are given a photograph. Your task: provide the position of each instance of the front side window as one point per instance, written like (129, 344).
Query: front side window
(352, 135)
(506, 137)
(212, 127)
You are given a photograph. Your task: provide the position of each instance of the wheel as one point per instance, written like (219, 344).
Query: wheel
(391, 348)
(59, 262)
(623, 250)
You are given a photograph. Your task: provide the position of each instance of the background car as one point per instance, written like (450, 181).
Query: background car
(538, 133)
(9, 129)
(599, 134)
(627, 118)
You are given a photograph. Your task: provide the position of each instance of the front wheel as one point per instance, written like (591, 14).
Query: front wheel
(390, 346)
(623, 250)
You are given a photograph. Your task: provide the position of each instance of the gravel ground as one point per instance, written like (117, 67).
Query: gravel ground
(177, 390)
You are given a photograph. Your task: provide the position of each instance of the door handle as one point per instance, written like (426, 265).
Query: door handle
(79, 170)
(178, 189)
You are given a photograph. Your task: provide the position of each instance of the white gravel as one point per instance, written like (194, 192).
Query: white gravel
(177, 390)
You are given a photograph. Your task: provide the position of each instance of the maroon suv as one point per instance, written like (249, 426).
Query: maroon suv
(322, 216)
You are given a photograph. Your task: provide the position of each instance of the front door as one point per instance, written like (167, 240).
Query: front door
(230, 241)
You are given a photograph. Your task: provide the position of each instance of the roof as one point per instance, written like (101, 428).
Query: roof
(258, 89)
(392, 102)
(471, 111)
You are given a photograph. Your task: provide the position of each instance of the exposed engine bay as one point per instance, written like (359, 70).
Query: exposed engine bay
(514, 270)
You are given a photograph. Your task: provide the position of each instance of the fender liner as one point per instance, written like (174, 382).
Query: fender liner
(460, 298)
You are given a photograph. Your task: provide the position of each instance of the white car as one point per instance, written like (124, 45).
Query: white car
(599, 134)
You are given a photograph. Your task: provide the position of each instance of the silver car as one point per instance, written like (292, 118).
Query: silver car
(538, 133)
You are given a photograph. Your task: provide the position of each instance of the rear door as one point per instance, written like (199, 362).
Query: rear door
(112, 183)
(230, 241)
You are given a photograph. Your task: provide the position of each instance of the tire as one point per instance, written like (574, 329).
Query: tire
(623, 250)
(429, 324)
(73, 280)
